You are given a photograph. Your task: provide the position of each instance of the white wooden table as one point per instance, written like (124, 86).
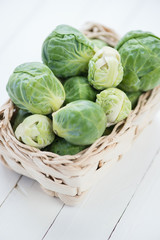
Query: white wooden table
(125, 204)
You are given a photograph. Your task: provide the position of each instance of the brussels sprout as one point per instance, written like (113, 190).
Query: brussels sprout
(99, 43)
(66, 51)
(33, 87)
(36, 131)
(105, 69)
(62, 147)
(108, 131)
(115, 104)
(133, 97)
(140, 55)
(80, 122)
(78, 88)
(18, 118)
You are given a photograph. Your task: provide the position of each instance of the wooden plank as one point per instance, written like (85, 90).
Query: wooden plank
(142, 216)
(14, 15)
(8, 180)
(27, 212)
(96, 217)
(147, 19)
(26, 46)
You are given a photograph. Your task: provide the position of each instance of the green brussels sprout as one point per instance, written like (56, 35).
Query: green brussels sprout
(61, 147)
(80, 122)
(66, 51)
(33, 87)
(108, 131)
(36, 131)
(133, 97)
(78, 88)
(99, 43)
(105, 69)
(18, 118)
(140, 55)
(115, 104)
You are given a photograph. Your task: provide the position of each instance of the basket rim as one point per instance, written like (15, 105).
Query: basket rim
(112, 138)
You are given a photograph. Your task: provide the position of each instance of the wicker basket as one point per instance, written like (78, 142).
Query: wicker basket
(69, 177)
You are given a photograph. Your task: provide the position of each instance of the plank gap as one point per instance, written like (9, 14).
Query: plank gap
(53, 222)
(138, 185)
(15, 186)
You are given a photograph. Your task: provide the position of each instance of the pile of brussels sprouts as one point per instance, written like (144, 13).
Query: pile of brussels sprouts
(82, 88)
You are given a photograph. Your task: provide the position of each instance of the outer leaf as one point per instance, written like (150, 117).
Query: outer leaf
(66, 51)
(115, 104)
(62, 147)
(35, 131)
(33, 87)
(105, 69)
(78, 88)
(140, 55)
(18, 118)
(133, 97)
(81, 122)
(99, 43)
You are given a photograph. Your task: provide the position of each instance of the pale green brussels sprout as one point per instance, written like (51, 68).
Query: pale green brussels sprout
(36, 131)
(99, 43)
(133, 97)
(66, 51)
(61, 147)
(105, 69)
(78, 88)
(115, 104)
(140, 55)
(80, 122)
(33, 87)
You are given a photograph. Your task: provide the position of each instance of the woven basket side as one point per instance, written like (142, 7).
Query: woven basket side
(98, 31)
(68, 179)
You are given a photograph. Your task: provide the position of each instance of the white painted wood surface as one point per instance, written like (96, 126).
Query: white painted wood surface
(124, 205)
